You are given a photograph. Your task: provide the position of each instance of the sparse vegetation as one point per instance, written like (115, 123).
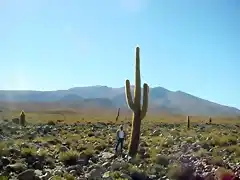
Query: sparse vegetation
(163, 150)
(69, 157)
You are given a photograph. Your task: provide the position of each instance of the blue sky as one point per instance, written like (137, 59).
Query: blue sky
(187, 45)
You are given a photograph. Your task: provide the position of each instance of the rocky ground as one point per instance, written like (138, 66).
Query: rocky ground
(85, 151)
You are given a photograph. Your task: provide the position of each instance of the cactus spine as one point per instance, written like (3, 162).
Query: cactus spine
(22, 119)
(188, 122)
(135, 105)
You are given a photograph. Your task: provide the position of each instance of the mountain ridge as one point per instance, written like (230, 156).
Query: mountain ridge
(160, 99)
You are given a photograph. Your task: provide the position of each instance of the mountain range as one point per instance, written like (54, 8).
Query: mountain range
(160, 99)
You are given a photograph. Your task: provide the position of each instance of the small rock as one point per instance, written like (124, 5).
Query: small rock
(95, 174)
(16, 167)
(138, 176)
(107, 155)
(125, 176)
(38, 165)
(46, 176)
(63, 149)
(116, 166)
(106, 164)
(27, 175)
(58, 172)
(5, 161)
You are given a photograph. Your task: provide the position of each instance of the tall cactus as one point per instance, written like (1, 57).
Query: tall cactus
(135, 105)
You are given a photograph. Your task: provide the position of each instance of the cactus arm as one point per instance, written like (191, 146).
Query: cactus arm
(129, 96)
(145, 101)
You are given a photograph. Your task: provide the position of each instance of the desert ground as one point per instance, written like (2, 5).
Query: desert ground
(69, 144)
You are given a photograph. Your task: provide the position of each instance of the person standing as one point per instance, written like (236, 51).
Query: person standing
(120, 138)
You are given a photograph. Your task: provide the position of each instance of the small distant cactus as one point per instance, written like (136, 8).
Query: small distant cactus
(118, 114)
(188, 122)
(210, 120)
(22, 120)
(135, 105)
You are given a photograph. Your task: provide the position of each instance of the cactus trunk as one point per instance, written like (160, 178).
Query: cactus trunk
(135, 135)
(135, 105)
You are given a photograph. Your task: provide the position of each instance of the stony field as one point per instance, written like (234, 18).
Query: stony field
(52, 151)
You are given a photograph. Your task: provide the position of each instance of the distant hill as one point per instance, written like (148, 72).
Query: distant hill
(160, 99)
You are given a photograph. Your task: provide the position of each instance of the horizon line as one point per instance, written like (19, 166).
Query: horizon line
(87, 86)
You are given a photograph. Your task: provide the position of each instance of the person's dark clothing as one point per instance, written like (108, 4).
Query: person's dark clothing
(119, 142)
